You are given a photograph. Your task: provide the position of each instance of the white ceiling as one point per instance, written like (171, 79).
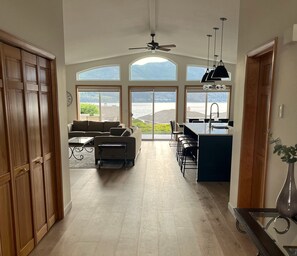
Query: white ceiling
(98, 29)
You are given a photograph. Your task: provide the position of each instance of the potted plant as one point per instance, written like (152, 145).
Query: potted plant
(286, 202)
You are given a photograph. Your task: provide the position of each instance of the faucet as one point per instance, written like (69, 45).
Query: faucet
(210, 116)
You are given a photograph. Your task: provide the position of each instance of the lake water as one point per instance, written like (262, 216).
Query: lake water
(142, 109)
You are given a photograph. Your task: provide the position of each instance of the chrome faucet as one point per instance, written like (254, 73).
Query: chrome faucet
(210, 116)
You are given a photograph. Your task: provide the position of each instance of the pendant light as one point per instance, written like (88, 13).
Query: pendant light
(209, 77)
(221, 71)
(203, 80)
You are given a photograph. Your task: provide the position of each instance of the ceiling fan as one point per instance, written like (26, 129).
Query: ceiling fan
(155, 46)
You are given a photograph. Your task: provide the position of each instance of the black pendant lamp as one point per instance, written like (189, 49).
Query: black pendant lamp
(221, 71)
(210, 78)
(203, 80)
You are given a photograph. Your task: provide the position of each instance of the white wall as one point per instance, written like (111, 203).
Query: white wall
(40, 23)
(260, 22)
(124, 62)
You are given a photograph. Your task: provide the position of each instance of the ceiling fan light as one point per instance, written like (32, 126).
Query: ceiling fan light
(220, 71)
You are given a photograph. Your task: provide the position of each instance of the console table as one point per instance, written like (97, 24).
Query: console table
(271, 233)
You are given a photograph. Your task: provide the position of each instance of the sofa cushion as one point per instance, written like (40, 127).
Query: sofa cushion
(108, 125)
(117, 131)
(126, 133)
(80, 125)
(77, 134)
(95, 133)
(96, 126)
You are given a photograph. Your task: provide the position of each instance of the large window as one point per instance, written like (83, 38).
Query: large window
(151, 109)
(99, 103)
(153, 69)
(105, 73)
(198, 102)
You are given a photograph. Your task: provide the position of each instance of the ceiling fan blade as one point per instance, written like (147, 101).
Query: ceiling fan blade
(167, 45)
(136, 48)
(163, 49)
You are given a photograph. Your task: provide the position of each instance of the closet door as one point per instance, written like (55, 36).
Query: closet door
(47, 139)
(7, 240)
(30, 72)
(18, 148)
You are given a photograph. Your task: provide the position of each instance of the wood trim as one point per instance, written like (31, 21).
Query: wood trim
(99, 86)
(41, 233)
(248, 125)
(57, 141)
(51, 221)
(27, 248)
(4, 178)
(20, 43)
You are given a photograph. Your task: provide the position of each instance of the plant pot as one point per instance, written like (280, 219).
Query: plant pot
(286, 202)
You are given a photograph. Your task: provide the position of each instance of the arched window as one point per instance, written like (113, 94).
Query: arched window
(153, 69)
(103, 73)
(195, 73)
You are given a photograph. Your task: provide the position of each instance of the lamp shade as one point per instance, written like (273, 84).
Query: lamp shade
(210, 77)
(203, 80)
(220, 71)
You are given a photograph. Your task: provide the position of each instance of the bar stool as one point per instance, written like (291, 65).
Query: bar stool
(189, 150)
(182, 139)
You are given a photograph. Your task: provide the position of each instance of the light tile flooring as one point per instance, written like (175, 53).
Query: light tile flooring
(149, 209)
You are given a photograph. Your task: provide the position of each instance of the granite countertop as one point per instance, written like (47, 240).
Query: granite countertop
(203, 128)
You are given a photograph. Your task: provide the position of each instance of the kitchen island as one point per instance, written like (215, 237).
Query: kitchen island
(215, 150)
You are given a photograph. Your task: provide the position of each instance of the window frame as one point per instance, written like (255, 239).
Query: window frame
(200, 88)
(98, 87)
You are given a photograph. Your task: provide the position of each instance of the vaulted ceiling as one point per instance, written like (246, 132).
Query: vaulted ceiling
(98, 29)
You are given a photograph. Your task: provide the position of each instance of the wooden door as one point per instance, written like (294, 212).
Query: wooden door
(256, 116)
(30, 72)
(261, 128)
(18, 148)
(7, 236)
(47, 139)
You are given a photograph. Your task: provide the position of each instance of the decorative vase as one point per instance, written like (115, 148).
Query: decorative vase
(286, 202)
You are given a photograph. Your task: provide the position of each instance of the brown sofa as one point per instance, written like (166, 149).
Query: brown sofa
(90, 128)
(132, 139)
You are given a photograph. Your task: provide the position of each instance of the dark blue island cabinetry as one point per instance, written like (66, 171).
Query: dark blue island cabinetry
(215, 151)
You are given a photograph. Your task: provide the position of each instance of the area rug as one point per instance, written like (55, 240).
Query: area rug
(88, 162)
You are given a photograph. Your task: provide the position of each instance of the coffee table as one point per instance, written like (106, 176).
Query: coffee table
(78, 144)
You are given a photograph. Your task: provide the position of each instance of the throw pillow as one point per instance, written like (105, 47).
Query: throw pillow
(80, 125)
(126, 133)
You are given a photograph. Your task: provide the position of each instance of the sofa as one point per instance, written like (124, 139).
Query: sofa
(90, 128)
(131, 137)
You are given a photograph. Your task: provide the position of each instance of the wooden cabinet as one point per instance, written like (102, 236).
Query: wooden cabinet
(28, 202)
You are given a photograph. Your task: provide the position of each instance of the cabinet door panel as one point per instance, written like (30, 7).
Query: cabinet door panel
(23, 198)
(47, 140)
(6, 220)
(19, 147)
(3, 144)
(34, 131)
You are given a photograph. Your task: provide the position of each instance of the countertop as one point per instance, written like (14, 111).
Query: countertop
(203, 128)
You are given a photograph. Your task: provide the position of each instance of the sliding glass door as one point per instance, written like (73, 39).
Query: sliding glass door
(151, 109)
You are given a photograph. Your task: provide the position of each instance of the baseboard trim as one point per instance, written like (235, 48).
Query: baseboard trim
(67, 208)
(231, 209)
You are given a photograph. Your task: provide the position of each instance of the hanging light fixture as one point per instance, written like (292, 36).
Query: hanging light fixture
(210, 78)
(203, 80)
(220, 71)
